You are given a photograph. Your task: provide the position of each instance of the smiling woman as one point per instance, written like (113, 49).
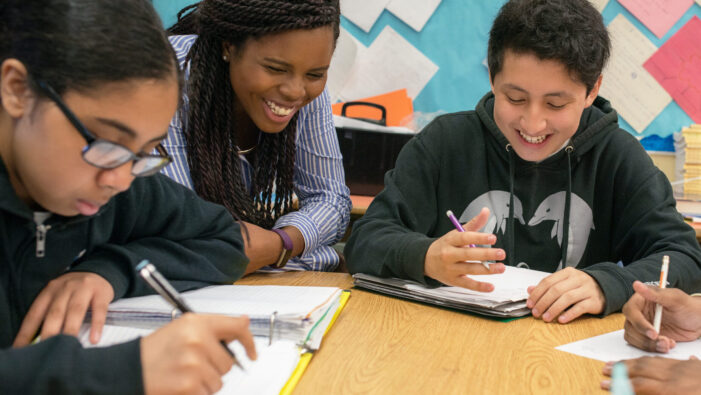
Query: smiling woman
(256, 125)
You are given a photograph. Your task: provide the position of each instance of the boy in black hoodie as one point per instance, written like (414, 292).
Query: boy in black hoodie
(87, 89)
(565, 189)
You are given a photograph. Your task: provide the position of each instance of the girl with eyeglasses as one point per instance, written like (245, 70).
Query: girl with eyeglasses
(87, 88)
(256, 126)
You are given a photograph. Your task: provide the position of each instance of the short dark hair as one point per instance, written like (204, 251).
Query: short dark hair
(80, 44)
(569, 31)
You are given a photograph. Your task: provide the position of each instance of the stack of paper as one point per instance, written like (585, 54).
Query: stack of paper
(507, 300)
(299, 314)
(687, 147)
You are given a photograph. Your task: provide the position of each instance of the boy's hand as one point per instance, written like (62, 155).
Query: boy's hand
(568, 289)
(186, 356)
(62, 304)
(445, 258)
(681, 319)
(655, 375)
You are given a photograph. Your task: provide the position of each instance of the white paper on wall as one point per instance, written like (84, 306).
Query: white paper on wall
(414, 13)
(363, 13)
(388, 64)
(633, 92)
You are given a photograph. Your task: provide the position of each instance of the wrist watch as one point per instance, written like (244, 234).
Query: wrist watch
(286, 248)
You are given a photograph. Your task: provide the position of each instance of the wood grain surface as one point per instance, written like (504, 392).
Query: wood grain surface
(384, 345)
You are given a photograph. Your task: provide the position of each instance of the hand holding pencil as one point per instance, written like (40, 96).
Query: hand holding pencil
(681, 318)
(450, 260)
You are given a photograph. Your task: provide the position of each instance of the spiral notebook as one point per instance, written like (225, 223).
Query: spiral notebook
(299, 314)
(304, 315)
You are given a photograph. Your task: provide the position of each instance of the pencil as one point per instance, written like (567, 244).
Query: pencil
(663, 284)
(459, 227)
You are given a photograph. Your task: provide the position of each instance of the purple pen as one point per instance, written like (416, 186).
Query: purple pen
(459, 227)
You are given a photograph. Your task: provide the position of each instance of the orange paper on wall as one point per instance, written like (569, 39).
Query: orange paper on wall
(397, 103)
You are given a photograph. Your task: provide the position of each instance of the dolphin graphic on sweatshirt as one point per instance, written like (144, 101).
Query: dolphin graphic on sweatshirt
(498, 204)
(581, 222)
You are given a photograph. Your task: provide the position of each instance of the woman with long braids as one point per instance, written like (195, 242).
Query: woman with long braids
(256, 127)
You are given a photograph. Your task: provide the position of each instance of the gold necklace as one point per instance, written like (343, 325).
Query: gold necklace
(244, 151)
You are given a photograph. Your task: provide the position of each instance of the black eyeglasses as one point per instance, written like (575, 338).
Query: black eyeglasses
(107, 154)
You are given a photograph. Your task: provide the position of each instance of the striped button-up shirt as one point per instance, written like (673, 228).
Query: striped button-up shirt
(319, 183)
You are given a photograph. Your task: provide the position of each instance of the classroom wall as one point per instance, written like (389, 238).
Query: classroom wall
(455, 38)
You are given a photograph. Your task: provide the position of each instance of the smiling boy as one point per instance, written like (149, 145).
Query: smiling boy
(566, 190)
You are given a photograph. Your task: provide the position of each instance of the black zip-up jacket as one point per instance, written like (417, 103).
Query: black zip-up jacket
(193, 243)
(620, 206)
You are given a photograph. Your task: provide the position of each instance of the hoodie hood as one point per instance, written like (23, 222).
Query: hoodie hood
(595, 123)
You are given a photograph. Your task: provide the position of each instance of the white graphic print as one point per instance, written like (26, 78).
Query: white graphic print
(581, 219)
(581, 222)
(498, 204)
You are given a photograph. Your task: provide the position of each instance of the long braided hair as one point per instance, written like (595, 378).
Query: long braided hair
(209, 126)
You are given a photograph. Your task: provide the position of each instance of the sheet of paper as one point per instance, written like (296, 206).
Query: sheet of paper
(363, 13)
(343, 63)
(657, 15)
(633, 92)
(511, 285)
(677, 67)
(389, 64)
(414, 13)
(601, 4)
(266, 375)
(612, 347)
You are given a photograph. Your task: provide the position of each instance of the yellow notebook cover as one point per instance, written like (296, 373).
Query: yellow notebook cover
(305, 358)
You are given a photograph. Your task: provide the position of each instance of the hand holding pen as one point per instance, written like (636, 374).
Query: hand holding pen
(154, 279)
(449, 261)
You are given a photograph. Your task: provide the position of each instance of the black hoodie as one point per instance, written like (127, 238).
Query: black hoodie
(621, 207)
(194, 243)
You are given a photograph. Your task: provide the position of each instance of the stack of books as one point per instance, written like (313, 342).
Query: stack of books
(687, 147)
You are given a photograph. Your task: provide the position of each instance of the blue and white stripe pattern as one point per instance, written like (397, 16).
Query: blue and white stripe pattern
(319, 182)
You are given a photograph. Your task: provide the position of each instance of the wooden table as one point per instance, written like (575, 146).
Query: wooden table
(383, 345)
(360, 204)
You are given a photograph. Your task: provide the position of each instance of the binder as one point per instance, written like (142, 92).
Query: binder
(507, 300)
(282, 360)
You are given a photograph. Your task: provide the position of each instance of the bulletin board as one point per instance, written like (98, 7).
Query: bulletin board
(455, 40)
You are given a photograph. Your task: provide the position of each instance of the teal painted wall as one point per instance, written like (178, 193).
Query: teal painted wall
(455, 38)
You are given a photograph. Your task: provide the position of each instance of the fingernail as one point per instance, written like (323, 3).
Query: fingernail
(562, 318)
(610, 364)
(605, 384)
(491, 239)
(651, 334)
(546, 317)
(535, 312)
(606, 369)
(529, 304)
(501, 255)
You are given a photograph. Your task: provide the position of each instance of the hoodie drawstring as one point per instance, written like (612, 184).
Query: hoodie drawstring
(510, 224)
(566, 214)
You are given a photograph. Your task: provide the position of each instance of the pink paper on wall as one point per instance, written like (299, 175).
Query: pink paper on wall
(677, 67)
(657, 15)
